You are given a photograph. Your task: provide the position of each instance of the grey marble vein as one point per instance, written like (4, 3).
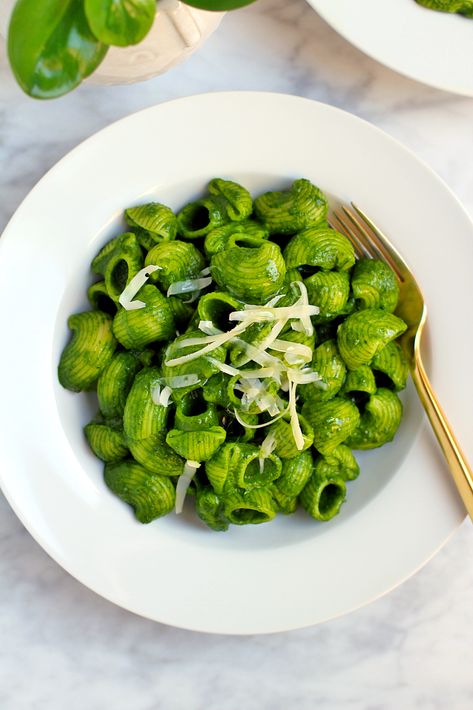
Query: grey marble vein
(63, 646)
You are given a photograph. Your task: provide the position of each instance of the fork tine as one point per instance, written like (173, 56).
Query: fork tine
(386, 249)
(364, 236)
(337, 223)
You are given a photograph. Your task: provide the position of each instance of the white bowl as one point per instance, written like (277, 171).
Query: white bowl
(293, 571)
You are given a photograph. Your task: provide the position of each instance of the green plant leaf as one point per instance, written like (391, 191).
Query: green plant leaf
(120, 22)
(218, 5)
(50, 46)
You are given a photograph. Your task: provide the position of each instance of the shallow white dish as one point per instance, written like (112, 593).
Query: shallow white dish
(435, 48)
(291, 572)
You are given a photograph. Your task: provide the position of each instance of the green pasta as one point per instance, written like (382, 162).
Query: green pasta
(462, 7)
(234, 198)
(218, 238)
(330, 291)
(391, 363)
(303, 205)
(332, 422)
(177, 260)
(118, 262)
(89, 352)
(106, 441)
(138, 328)
(239, 352)
(322, 497)
(375, 285)
(196, 445)
(328, 363)
(155, 455)
(255, 506)
(210, 509)
(152, 222)
(379, 421)
(320, 247)
(142, 417)
(364, 333)
(150, 494)
(100, 299)
(115, 382)
(251, 269)
(294, 474)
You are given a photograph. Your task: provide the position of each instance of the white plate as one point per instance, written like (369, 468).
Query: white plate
(292, 572)
(433, 47)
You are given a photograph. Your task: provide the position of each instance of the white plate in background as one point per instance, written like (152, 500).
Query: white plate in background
(292, 572)
(435, 48)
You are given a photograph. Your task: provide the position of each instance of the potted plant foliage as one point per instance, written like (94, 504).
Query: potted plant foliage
(54, 44)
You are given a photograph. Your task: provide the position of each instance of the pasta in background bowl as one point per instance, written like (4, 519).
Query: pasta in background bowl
(403, 506)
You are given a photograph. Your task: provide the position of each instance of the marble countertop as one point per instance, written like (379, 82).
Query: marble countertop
(63, 646)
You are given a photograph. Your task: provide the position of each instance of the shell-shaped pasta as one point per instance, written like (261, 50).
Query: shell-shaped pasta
(153, 222)
(303, 205)
(360, 380)
(181, 311)
(155, 455)
(177, 261)
(153, 323)
(285, 504)
(219, 467)
(196, 445)
(150, 494)
(463, 7)
(119, 260)
(88, 352)
(99, 298)
(236, 431)
(217, 239)
(340, 463)
(216, 307)
(321, 247)
(234, 198)
(251, 269)
(333, 422)
(115, 383)
(329, 290)
(375, 285)
(239, 465)
(249, 471)
(193, 413)
(143, 418)
(107, 442)
(295, 474)
(363, 334)
(392, 363)
(249, 507)
(328, 363)
(379, 421)
(210, 509)
(198, 218)
(285, 445)
(322, 498)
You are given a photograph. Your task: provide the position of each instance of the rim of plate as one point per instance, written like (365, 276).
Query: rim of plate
(438, 61)
(307, 580)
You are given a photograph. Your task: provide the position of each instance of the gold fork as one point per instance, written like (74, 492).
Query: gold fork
(370, 242)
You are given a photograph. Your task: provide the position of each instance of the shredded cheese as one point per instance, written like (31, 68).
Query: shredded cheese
(211, 343)
(188, 286)
(183, 483)
(126, 297)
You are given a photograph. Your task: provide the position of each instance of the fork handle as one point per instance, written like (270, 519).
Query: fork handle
(459, 468)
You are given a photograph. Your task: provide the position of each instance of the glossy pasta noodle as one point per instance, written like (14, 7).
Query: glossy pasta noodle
(239, 352)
